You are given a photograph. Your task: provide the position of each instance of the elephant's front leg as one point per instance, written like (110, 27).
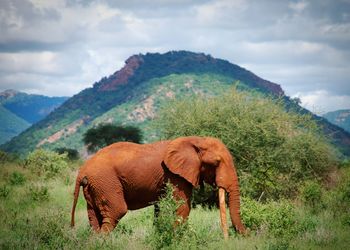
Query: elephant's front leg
(182, 192)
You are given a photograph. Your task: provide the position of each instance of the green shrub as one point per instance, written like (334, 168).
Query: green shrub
(17, 178)
(274, 150)
(39, 193)
(4, 191)
(168, 227)
(282, 219)
(253, 213)
(46, 163)
(72, 154)
(311, 193)
(277, 219)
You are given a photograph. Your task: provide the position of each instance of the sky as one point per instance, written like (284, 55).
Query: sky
(60, 47)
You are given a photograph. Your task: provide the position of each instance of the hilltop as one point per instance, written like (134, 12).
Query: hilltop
(133, 95)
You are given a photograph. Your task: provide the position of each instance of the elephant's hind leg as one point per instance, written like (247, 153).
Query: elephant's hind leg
(113, 209)
(95, 218)
(94, 215)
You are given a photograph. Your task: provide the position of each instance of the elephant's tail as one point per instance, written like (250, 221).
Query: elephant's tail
(79, 182)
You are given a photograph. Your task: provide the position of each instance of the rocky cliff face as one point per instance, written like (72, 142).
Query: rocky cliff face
(122, 76)
(139, 68)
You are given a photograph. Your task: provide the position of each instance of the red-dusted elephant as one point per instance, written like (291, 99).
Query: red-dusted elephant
(126, 176)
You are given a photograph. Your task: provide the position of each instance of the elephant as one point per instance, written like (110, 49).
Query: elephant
(127, 176)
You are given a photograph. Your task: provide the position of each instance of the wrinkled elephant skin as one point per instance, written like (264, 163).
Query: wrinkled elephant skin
(126, 176)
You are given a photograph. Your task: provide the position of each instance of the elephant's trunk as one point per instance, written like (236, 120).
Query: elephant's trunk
(227, 180)
(234, 206)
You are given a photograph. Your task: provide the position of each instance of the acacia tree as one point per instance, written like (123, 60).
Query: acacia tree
(275, 151)
(106, 134)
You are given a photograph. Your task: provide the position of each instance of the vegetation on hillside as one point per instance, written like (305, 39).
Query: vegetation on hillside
(137, 111)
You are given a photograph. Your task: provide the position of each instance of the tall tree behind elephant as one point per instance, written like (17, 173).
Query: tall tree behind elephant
(127, 176)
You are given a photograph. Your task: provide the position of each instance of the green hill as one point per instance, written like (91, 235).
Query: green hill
(11, 125)
(134, 94)
(340, 118)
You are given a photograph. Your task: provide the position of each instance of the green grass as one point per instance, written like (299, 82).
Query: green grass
(28, 223)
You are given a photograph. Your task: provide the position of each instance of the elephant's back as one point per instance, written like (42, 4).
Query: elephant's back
(127, 157)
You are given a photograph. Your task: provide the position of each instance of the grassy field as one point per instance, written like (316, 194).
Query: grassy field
(35, 214)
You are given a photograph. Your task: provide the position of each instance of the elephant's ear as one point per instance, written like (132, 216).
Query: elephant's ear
(182, 158)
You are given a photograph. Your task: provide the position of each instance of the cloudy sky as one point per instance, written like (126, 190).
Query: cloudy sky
(59, 47)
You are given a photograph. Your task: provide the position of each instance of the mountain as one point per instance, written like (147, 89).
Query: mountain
(19, 110)
(31, 108)
(134, 94)
(341, 118)
(11, 125)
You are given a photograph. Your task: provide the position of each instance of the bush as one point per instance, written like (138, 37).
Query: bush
(72, 154)
(46, 163)
(311, 193)
(4, 191)
(253, 213)
(17, 178)
(277, 219)
(282, 219)
(168, 227)
(39, 193)
(274, 150)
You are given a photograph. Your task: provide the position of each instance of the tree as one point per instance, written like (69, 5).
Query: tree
(106, 134)
(275, 151)
(72, 154)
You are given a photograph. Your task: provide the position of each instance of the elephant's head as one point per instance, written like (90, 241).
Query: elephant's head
(205, 158)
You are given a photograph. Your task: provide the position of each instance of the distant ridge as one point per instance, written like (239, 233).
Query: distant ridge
(341, 118)
(19, 110)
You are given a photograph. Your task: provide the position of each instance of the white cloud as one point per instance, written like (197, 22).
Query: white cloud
(298, 6)
(63, 46)
(321, 101)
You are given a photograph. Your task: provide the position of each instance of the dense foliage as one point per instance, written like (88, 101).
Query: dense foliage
(72, 154)
(106, 134)
(274, 150)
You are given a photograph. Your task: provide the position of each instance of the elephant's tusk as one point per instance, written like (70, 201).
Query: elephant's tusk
(223, 212)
